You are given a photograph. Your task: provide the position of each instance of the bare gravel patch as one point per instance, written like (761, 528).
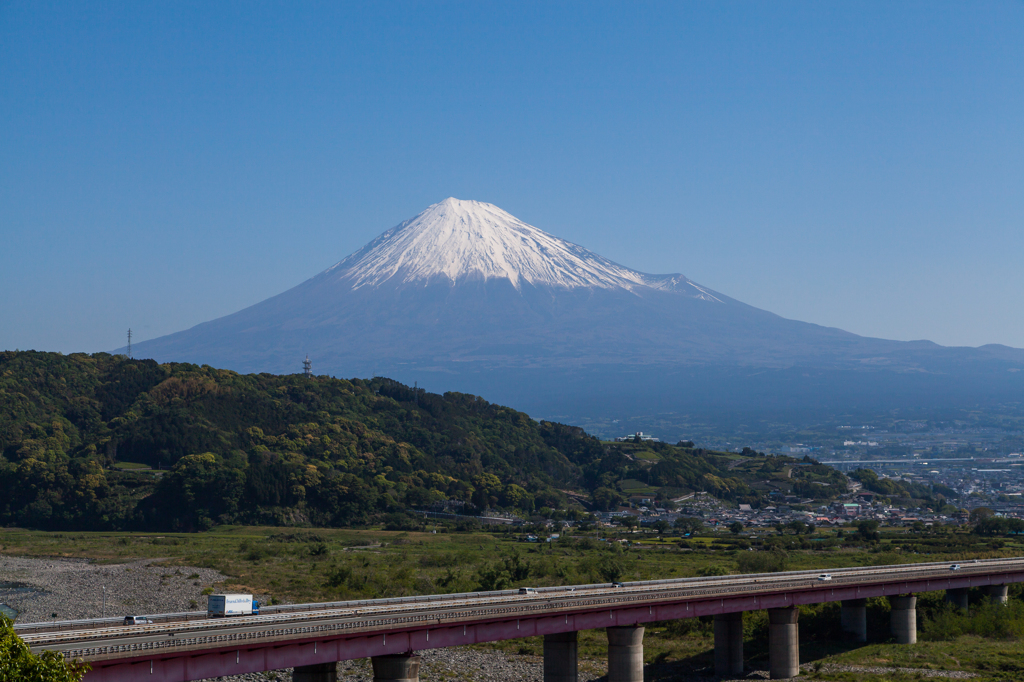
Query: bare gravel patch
(463, 664)
(73, 588)
(881, 670)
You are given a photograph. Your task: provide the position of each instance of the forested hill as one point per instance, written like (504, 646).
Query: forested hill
(104, 442)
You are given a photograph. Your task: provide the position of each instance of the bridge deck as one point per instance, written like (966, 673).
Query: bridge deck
(181, 647)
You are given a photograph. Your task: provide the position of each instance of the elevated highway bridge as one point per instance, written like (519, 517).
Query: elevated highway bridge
(312, 638)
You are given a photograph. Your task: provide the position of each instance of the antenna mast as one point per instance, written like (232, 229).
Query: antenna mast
(129, 343)
(307, 367)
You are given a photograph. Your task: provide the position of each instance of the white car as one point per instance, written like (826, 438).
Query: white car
(955, 567)
(824, 577)
(137, 620)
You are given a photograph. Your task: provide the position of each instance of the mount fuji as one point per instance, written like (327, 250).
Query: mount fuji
(464, 296)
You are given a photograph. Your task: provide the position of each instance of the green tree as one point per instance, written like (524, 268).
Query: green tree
(517, 497)
(18, 663)
(980, 514)
(611, 569)
(868, 530)
(735, 527)
(493, 578)
(606, 498)
(689, 524)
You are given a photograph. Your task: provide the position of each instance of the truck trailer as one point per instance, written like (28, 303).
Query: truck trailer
(220, 605)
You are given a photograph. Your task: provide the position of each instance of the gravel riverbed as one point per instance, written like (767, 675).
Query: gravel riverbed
(73, 588)
(463, 664)
(473, 665)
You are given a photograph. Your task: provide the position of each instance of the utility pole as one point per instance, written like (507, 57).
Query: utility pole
(129, 343)
(103, 613)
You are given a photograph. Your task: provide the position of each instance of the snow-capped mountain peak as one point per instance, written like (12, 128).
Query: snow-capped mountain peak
(456, 240)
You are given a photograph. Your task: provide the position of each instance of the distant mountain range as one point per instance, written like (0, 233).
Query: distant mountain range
(467, 297)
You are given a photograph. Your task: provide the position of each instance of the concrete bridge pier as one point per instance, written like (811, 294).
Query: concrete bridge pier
(853, 618)
(626, 654)
(318, 672)
(957, 597)
(396, 668)
(997, 593)
(729, 644)
(783, 643)
(904, 619)
(560, 657)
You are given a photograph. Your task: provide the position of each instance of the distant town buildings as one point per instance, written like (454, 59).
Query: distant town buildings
(639, 435)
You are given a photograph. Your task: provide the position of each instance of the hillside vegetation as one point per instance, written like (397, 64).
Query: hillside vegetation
(105, 442)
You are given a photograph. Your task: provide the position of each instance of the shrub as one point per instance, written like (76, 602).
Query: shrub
(710, 571)
(992, 621)
(762, 562)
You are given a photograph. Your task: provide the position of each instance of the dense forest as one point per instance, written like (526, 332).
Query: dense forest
(106, 442)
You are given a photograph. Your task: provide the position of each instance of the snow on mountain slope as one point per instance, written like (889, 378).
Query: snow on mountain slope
(455, 240)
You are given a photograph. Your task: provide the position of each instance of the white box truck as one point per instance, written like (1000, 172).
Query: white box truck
(220, 605)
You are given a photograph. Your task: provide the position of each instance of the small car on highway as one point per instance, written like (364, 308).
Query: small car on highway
(137, 620)
(955, 567)
(825, 577)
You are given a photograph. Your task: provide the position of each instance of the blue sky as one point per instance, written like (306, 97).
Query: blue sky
(858, 165)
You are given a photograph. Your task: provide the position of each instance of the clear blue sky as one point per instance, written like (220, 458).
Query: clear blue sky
(858, 165)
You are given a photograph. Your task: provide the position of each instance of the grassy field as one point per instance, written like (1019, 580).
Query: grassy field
(327, 564)
(132, 466)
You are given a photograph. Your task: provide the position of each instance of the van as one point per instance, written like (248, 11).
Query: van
(137, 620)
(527, 590)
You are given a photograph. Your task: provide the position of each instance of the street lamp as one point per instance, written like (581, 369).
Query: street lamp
(104, 612)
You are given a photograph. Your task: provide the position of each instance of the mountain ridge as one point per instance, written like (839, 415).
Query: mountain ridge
(469, 298)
